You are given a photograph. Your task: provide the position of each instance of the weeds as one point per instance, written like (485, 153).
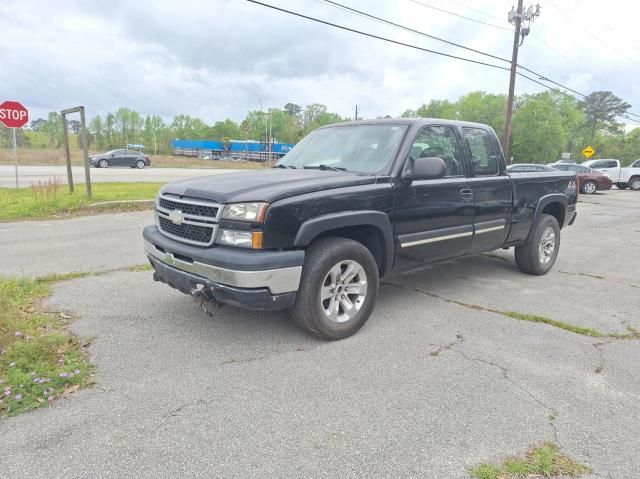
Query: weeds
(543, 461)
(40, 360)
(46, 191)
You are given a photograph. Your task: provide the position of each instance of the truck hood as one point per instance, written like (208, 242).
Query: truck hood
(264, 185)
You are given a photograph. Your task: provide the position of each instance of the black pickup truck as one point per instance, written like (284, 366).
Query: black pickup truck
(351, 203)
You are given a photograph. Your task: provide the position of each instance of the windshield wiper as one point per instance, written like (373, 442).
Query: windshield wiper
(285, 166)
(325, 167)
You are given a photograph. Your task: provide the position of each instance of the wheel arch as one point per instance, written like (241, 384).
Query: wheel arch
(370, 228)
(554, 205)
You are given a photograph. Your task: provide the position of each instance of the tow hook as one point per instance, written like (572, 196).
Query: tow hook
(207, 302)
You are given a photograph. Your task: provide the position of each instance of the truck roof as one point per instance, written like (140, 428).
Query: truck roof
(411, 122)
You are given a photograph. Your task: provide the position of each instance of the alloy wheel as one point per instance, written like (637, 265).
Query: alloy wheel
(547, 245)
(343, 291)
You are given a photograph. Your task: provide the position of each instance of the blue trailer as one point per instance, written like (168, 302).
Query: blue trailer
(249, 150)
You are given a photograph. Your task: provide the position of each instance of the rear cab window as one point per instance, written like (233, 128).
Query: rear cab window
(484, 157)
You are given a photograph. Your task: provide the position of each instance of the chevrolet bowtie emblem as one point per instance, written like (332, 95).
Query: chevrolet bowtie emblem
(176, 217)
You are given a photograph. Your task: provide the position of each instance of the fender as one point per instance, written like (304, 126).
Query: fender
(310, 229)
(552, 198)
(543, 202)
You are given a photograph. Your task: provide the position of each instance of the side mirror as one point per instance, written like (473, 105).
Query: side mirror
(430, 168)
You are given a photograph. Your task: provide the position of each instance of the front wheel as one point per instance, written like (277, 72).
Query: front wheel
(103, 163)
(634, 183)
(589, 187)
(540, 253)
(338, 288)
(140, 164)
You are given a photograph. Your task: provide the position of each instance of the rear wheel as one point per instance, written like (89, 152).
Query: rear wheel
(103, 163)
(540, 253)
(589, 187)
(634, 183)
(338, 288)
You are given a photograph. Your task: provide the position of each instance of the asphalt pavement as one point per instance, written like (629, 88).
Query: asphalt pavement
(436, 382)
(32, 174)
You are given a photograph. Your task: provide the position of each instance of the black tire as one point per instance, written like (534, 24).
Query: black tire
(634, 183)
(622, 186)
(321, 258)
(528, 256)
(103, 163)
(140, 164)
(589, 187)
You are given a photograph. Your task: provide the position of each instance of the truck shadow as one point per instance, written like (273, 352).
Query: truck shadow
(241, 325)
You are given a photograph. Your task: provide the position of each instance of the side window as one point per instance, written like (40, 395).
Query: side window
(599, 164)
(483, 156)
(440, 142)
(611, 164)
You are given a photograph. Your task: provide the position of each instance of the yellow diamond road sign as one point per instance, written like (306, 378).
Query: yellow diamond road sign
(588, 152)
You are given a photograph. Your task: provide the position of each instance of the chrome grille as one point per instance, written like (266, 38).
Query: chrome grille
(188, 220)
(189, 208)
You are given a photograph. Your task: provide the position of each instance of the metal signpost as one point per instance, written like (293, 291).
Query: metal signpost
(85, 147)
(14, 115)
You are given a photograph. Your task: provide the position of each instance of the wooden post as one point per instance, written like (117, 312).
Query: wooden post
(67, 156)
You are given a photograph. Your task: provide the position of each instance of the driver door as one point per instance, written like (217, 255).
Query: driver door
(434, 218)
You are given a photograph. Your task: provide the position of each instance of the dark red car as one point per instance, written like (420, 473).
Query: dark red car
(589, 180)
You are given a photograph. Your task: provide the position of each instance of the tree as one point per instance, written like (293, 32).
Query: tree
(538, 133)
(225, 129)
(602, 108)
(187, 127)
(153, 126)
(74, 126)
(485, 108)
(109, 131)
(53, 128)
(37, 125)
(292, 109)
(128, 124)
(437, 109)
(96, 128)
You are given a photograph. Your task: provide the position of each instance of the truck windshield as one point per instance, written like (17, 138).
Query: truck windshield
(357, 148)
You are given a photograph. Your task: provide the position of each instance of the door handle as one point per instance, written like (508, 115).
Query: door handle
(466, 194)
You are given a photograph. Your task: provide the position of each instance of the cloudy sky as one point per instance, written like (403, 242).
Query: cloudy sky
(220, 58)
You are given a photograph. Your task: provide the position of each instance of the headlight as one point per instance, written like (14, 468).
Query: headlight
(242, 239)
(252, 212)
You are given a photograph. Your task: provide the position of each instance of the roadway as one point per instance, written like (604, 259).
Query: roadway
(33, 174)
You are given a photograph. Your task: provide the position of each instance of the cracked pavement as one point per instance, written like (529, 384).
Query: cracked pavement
(428, 388)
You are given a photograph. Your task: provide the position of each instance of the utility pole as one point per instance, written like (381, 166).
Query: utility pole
(356, 117)
(516, 18)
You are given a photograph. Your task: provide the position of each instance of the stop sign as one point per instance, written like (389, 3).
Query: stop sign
(13, 114)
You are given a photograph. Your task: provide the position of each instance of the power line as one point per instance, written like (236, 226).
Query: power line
(378, 37)
(461, 16)
(388, 22)
(359, 32)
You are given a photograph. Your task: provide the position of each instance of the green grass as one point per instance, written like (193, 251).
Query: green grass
(543, 461)
(534, 318)
(40, 360)
(25, 203)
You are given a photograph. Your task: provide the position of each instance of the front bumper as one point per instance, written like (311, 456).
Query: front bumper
(245, 278)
